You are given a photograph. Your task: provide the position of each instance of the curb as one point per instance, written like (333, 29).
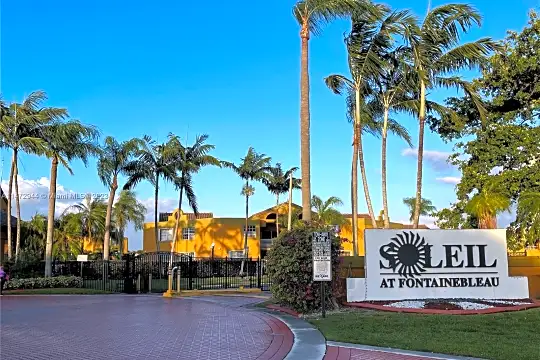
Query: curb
(188, 293)
(494, 310)
(309, 343)
(282, 341)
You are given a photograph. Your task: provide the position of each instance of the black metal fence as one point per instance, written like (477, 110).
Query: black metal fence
(148, 272)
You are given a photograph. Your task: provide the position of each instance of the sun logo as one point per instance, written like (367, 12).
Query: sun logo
(406, 254)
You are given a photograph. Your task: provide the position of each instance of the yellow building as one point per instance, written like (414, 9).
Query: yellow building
(97, 246)
(206, 236)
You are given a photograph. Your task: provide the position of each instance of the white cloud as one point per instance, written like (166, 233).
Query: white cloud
(164, 205)
(449, 180)
(438, 160)
(34, 196)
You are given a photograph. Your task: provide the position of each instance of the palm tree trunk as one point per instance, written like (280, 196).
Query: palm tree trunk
(305, 151)
(383, 169)
(277, 215)
(289, 223)
(361, 159)
(177, 224)
(245, 232)
(421, 120)
(18, 207)
(107, 237)
(17, 204)
(50, 217)
(156, 197)
(9, 205)
(354, 191)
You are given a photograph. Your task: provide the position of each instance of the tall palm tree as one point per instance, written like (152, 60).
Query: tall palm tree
(327, 214)
(311, 16)
(20, 131)
(93, 214)
(277, 182)
(371, 38)
(392, 89)
(486, 205)
(112, 163)
(189, 161)
(154, 162)
(65, 142)
(127, 210)
(426, 207)
(436, 54)
(253, 167)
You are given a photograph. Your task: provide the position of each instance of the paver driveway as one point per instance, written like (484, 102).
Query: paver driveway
(135, 327)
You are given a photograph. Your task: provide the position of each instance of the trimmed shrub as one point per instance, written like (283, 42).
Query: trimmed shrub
(290, 269)
(42, 283)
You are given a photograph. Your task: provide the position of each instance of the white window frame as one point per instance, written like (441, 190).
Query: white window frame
(251, 231)
(188, 233)
(233, 254)
(192, 254)
(170, 230)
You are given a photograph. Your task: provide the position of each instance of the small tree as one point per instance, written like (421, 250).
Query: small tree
(426, 207)
(290, 268)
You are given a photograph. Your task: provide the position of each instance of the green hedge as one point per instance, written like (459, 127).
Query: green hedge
(42, 283)
(290, 269)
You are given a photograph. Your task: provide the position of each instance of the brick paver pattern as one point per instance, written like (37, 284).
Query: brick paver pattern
(129, 327)
(341, 353)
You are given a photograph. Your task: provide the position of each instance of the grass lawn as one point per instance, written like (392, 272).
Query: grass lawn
(504, 336)
(56, 291)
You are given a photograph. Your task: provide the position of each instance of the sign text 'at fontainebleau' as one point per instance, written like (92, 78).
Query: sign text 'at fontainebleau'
(436, 264)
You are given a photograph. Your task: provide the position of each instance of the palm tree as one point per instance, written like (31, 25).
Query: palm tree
(311, 16)
(393, 91)
(370, 39)
(189, 160)
(486, 205)
(68, 236)
(327, 214)
(112, 163)
(153, 163)
(20, 131)
(127, 210)
(277, 182)
(426, 207)
(435, 55)
(93, 214)
(65, 142)
(253, 167)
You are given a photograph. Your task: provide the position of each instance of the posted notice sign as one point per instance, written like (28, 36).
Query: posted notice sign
(322, 256)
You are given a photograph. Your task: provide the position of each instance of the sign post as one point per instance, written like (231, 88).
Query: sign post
(322, 262)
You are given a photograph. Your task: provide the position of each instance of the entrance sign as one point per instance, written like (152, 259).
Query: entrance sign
(438, 264)
(322, 256)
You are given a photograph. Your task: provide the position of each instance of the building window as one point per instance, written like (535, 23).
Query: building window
(251, 231)
(165, 234)
(188, 233)
(191, 254)
(236, 254)
(344, 253)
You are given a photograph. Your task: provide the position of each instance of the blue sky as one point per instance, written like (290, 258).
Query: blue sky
(227, 69)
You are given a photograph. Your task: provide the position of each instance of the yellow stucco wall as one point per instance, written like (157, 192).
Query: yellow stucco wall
(94, 246)
(225, 233)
